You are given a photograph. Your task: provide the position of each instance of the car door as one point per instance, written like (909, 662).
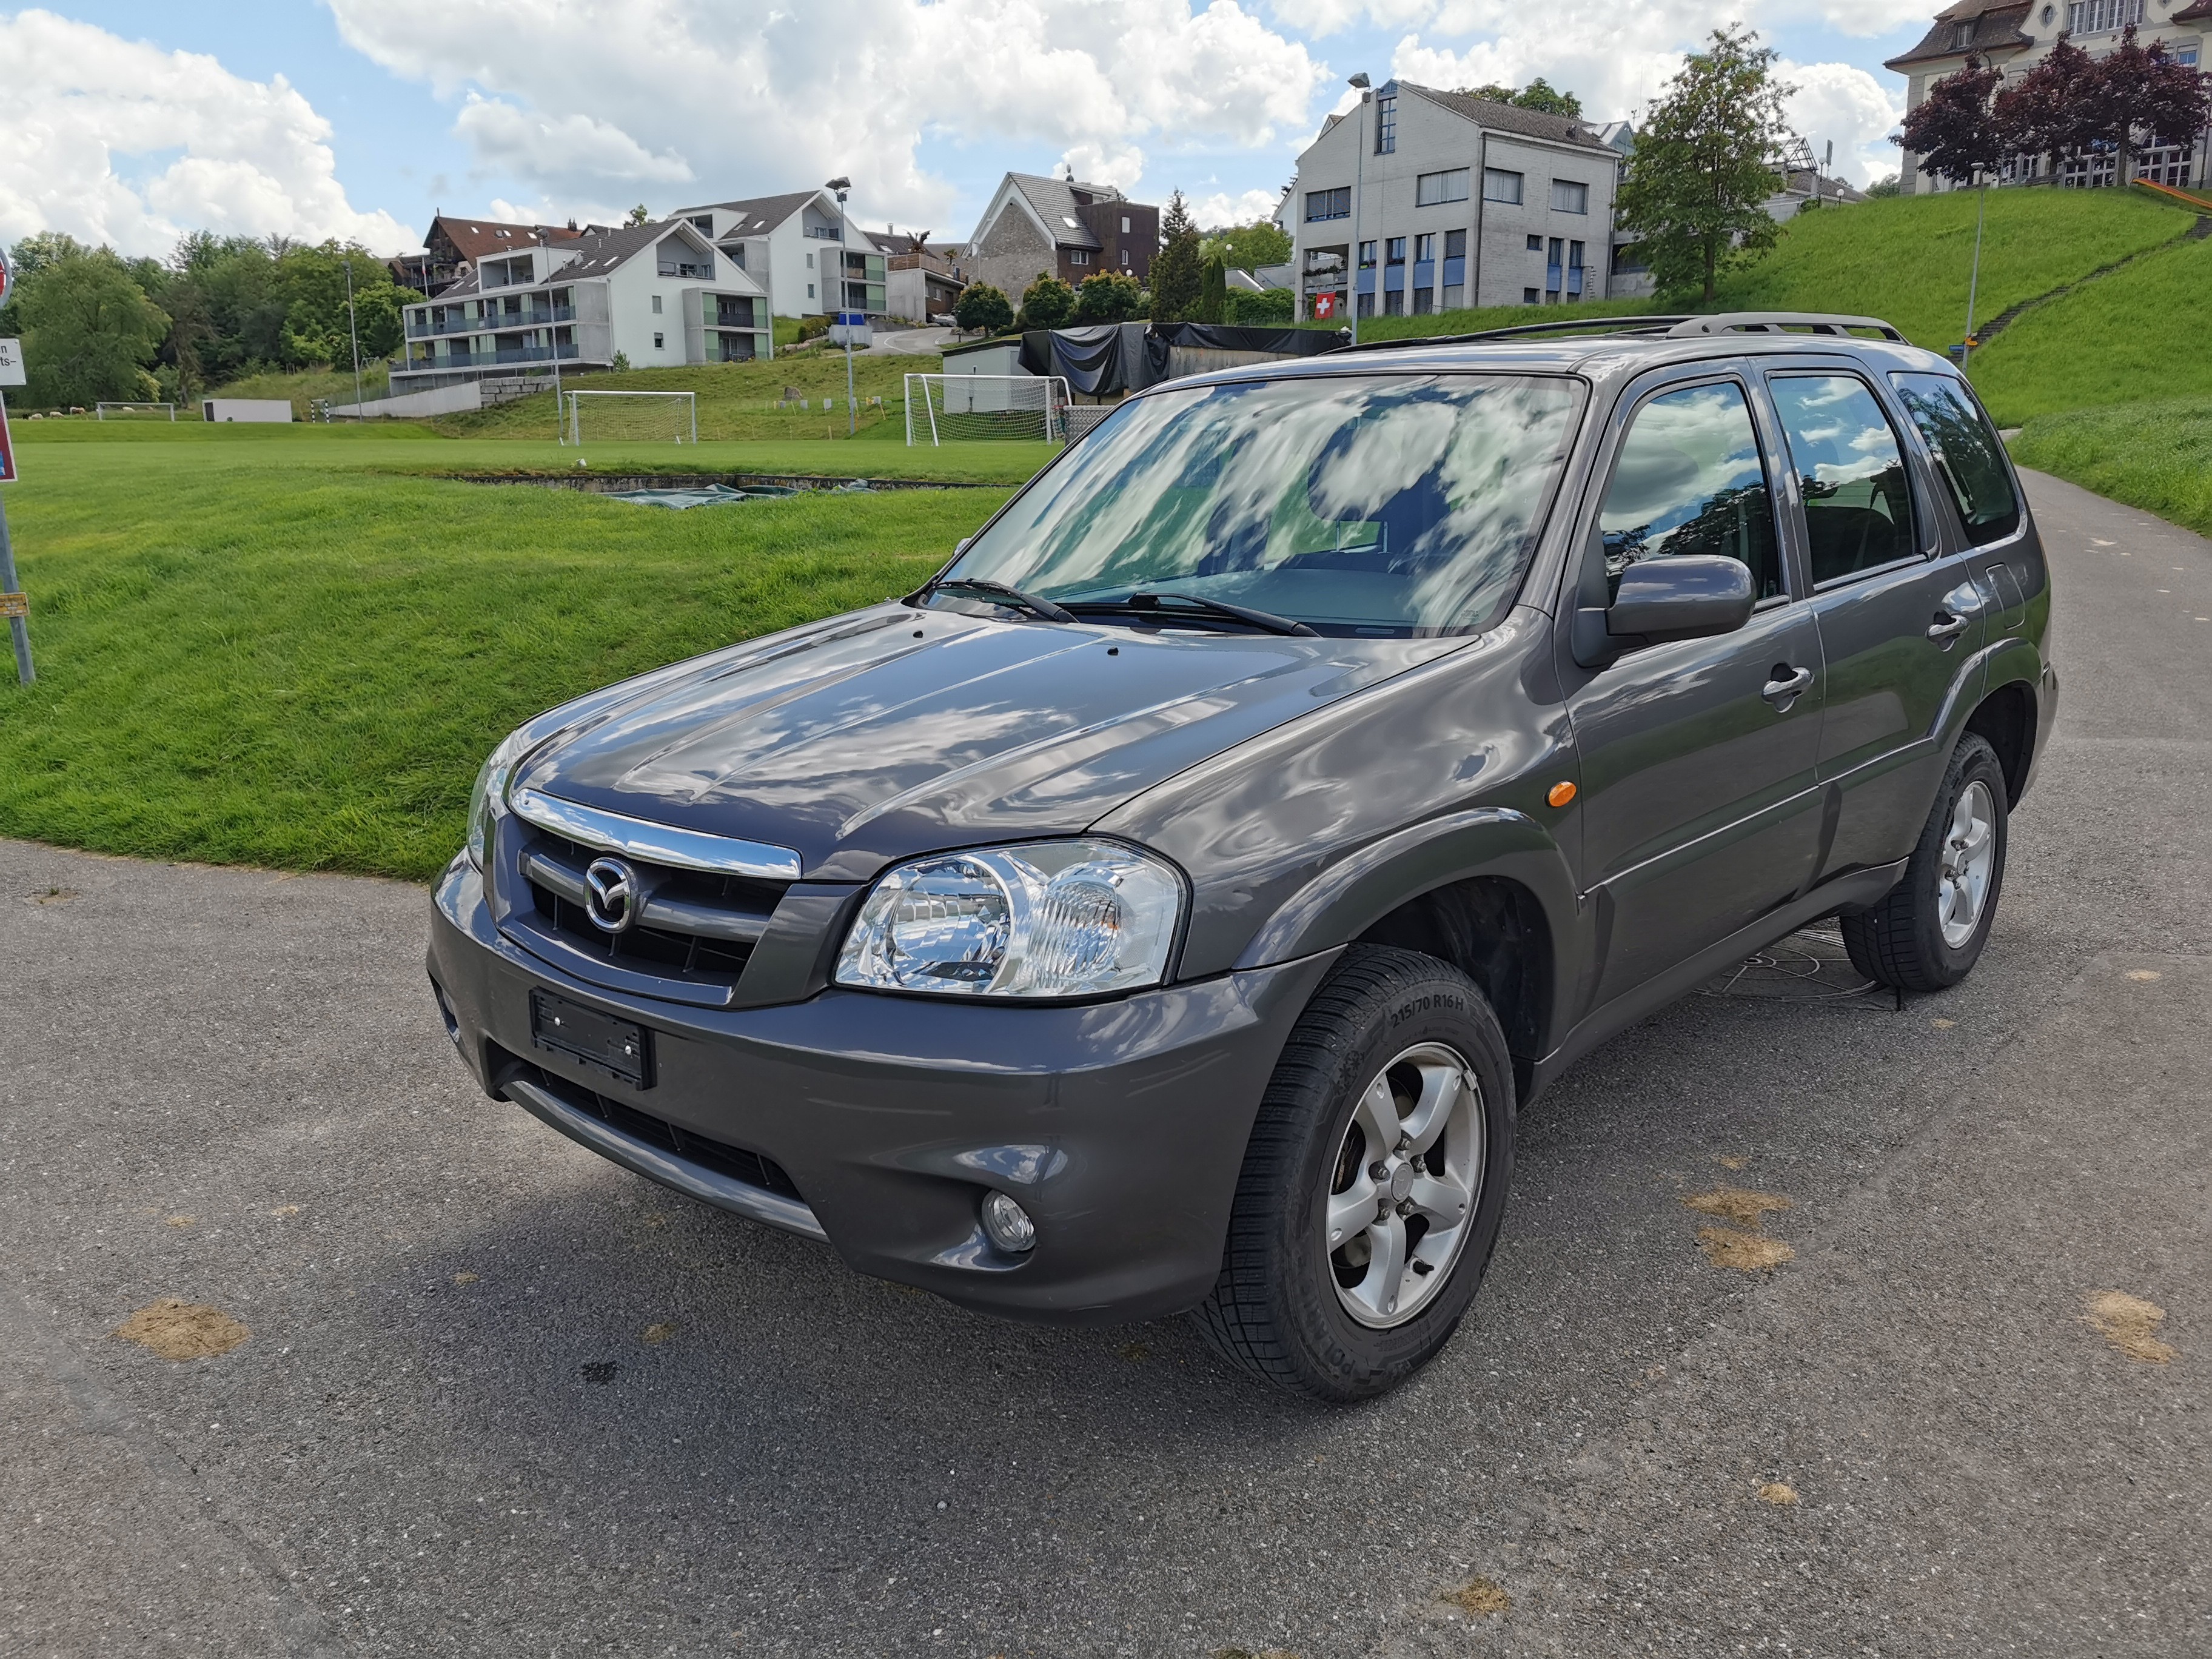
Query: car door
(1899, 614)
(1699, 807)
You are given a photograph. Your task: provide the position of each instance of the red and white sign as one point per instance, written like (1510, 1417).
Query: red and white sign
(5, 276)
(7, 447)
(1324, 307)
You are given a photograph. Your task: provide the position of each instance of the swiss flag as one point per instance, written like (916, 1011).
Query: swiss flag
(1324, 307)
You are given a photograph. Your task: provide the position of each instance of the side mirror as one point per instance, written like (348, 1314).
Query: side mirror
(1689, 597)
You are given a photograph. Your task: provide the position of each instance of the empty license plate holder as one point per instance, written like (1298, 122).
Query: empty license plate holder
(621, 1049)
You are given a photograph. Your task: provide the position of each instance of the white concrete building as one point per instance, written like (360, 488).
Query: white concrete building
(2014, 36)
(1449, 201)
(793, 245)
(658, 295)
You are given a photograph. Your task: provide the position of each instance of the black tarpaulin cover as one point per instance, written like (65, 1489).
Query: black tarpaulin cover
(1104, 358)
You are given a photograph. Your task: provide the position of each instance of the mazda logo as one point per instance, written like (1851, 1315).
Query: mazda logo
(610, 895)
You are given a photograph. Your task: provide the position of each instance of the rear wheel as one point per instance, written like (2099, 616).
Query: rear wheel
(1374, 1182)
(1927, 932)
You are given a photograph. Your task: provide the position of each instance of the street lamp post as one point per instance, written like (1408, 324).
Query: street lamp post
(1359, 189)
(843, 187)
(353, 333)
(1974, 280)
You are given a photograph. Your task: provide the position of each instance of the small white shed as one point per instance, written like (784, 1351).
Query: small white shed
(245, 408)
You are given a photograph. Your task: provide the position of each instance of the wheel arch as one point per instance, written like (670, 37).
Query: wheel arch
(2005, 718)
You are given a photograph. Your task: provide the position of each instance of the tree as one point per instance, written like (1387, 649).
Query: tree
(2140, 94)
(1212, 305)
(1702, 169)
(1247, 247)
(1269, 305)
(1047, 303)
(2052, 109)
(982, 309)
(1953, 131)
(1887, 185)
(89, 332)
(1175, 270)
(1109, 297)
(312, 284)
(1537, 94)
(639, 215)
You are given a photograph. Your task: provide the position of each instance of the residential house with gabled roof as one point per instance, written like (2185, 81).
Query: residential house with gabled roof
(453, 245)
(922, 279)
(1041, 227)
(2014, 36)
(1417, 201)
(655, 295)
(795, 243)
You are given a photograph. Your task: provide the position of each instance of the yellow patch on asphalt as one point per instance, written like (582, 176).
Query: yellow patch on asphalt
(2142, 976)
(1776, 1491)
(54, 896)
(1737, 1204)
(1134, 1352)
(1480, 1595)
(654, 1336)
(1734, 1163)
(1749, 1253)
(182, 1220)
(176, 1329)
(465, 1279)
(2130, 1324)
(286, 1209)
(1942, 1024)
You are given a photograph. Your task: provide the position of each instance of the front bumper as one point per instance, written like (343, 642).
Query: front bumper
(1121, 1127)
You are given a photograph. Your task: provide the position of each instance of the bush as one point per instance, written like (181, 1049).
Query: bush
(1109, 297)
(983, 310)
(811, 328)
(1047, 303)
(1269, 306)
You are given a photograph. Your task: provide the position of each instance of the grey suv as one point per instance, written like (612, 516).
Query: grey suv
(1171, 903)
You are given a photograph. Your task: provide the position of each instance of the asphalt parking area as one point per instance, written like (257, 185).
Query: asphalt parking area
(494, 1395)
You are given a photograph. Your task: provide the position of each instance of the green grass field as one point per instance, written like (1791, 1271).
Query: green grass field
(294, 650)
(2157, 456)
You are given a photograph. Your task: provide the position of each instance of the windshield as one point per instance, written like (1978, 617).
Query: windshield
(1387, 505)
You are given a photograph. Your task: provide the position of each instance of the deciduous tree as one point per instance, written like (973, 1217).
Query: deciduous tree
(89, 333)
(2139, 96)
(1703, 164)
(1953, 131)
(1537, 94)
(2052, 109)
(1247, 247)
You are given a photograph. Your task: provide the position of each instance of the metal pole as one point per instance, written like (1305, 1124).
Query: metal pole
(1973, 282)
(1359, 193)
(353, 333)
(852, 414)
(16, 625)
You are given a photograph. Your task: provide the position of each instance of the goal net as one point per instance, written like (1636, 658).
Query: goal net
(943, 409)
(657, 417)
(134, 412)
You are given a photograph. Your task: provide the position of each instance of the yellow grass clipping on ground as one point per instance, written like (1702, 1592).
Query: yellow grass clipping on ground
(176, 1329)
(1480, 1595)
(1729, 1247)
(1778, 1492)
(2130, 1324)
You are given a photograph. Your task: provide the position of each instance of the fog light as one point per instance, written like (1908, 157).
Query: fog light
(1008, 1225)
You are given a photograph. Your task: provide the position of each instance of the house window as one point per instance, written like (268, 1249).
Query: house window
(809, 261)
(656, 304)
(810, 290)
(1529, 296)
(1386, 126)
(1962, 34)
(1424, 247)
(1454, 245)
(1499, 185)
(1535, 245)
(1570, 197)
(1431, 188)
(1125, 258)
(1366, 254)
(1077, 255)
(703, 223)
(2186, 56)
(1397, 251)
(1125, 224)
(2100, 17)
(658, 342)
(1325, 203)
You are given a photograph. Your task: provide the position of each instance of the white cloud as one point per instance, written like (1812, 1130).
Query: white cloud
(1331, 16)
(755, 96)
(1221, 209)
(1838, 102)
(75, 100)
(1121, 166)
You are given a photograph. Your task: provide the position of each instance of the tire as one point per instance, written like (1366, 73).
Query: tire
(1281, 1308)
(1915, 938)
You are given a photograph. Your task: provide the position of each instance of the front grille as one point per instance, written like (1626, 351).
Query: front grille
(735, 1162)
(692, 925)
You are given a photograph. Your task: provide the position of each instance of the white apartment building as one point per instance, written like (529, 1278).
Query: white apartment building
(796, 245)
(2014, 36)
(659, 296)
(1449, 201)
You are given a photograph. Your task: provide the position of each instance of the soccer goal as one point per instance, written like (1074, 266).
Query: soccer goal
(134, 412)
(650, 417)
(943, 409)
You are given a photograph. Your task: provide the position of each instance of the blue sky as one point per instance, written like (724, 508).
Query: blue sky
(361, 118)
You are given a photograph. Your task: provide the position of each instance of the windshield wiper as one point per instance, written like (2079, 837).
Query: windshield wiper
(1156, 605)
(998, 590)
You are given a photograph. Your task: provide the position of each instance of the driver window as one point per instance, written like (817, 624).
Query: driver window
(1689, 480)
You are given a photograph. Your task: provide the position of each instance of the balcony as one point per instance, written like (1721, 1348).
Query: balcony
(433, 326)
(428, 364)
(824, 232)
(699, 273)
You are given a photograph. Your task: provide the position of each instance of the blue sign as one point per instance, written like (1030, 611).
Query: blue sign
(854, 319)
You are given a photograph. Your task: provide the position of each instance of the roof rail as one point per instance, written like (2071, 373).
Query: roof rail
(1779, 322)
(1676, 327)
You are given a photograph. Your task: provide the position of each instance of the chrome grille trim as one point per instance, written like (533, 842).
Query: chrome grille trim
(657, 843)
(678, 915)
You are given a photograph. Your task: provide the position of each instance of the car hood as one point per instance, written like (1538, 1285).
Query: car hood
(892, 731)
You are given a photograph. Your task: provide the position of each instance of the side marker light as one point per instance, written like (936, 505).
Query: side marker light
(1561, 794)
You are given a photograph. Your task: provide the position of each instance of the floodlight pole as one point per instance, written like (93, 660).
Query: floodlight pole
(353, 333)
(1974, 280)
(553, 344)
(1359, 189)
(843, 186)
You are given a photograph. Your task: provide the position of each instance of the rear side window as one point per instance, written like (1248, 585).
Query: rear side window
(1851, 472)
(1689, 480)
(1972, 459)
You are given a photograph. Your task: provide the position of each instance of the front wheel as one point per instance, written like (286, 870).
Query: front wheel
(1374, 1182)
(1928, 931)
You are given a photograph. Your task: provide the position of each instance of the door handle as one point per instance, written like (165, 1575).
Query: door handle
(1786, 683)
(1946, 627)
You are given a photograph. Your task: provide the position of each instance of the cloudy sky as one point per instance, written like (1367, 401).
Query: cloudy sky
(129, 121)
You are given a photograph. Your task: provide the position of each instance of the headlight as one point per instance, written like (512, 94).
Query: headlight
(490, 791)
(1049, 919)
